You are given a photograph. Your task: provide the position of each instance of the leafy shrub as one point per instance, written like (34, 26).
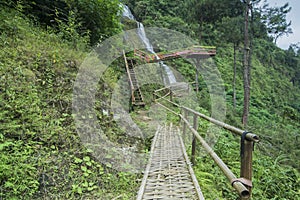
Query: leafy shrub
(41, 153)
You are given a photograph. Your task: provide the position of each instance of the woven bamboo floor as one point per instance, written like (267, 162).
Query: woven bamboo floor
(169, 174)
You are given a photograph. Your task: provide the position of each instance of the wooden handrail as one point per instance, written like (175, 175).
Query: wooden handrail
(129, 76)
(240, 188)
(159, 97)
(249, 136)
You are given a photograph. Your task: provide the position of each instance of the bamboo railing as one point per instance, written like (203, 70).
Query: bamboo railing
(242, 185)
(129, 76)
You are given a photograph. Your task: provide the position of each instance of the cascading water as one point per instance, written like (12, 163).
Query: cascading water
(127, 13)
(143, 37)
(170, 78)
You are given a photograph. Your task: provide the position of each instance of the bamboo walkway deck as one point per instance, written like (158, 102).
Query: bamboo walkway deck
(169, 174)
(200, 52)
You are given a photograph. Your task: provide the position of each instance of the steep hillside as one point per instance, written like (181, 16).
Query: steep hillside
(41, 154)
(275, 89)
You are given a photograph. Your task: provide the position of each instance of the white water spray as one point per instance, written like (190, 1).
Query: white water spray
(170, 78)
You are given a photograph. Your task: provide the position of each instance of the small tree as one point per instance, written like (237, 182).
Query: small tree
(246, 64)
(275, 21)
(233, 32)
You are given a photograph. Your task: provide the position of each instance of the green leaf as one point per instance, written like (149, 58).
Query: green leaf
(78, 160)
(86, 174)
(91, 188)
(5, 144)
(85, 184)
(86, 158)
(83, 168)
(79, 190)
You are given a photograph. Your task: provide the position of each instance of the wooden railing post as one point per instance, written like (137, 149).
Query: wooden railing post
(171, 94)
(246, 162)
(195, 126)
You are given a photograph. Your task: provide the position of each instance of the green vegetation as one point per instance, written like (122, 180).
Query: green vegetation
(41, 154)
(274, 103)
(94, 19)
(43, 44)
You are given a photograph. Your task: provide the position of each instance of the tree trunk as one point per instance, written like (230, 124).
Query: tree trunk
(234, 76)
(200, 29)
(250, 46)
(246, 64)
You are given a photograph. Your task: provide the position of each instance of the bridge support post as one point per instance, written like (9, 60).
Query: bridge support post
(171, 94)
(247, 148)
(195, 126)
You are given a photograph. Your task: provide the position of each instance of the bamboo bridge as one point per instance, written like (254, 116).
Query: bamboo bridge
(169, 173)
(199, 52)
(137, 99)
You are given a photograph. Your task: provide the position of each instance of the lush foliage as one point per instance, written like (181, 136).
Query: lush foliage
(42, 46)
(96, 19)
(275, 19)
(41, 154)
(274, 110)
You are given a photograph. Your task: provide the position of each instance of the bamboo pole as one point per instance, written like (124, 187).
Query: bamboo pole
(171, 94)
(195, 126)
(129, 76)
(239, 186)
(246, 163)
(246, 172)
(184, 124)
(249, 136)
(171, 102)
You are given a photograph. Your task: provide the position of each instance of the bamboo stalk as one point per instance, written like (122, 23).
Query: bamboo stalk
(249, 136)
(240, 188)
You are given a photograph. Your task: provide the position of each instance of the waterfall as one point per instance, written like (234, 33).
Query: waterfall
(143, 37)
(170, 78)
(127, 13)
(170, 75)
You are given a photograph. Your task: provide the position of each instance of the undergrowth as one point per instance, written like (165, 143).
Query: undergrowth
(41, 154)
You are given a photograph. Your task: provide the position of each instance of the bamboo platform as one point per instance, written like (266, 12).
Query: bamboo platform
(169, 174)
(199, 52)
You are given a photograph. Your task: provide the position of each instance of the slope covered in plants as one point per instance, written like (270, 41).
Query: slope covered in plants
(274, 103)
(41, 154)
